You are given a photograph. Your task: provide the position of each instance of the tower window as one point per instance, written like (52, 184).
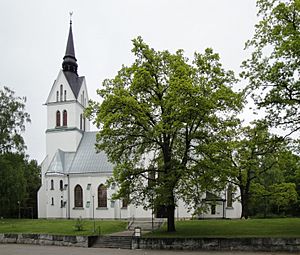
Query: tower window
(65, 118)
(83, 124)
(52, 201)
(65, 95)
(52, 185)
(57, 96)
(58, 118)
(102, 196)
(61, 92)
(78, 196)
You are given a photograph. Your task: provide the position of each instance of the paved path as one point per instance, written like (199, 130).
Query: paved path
(123, 233)
(126, 233)
(21, 249)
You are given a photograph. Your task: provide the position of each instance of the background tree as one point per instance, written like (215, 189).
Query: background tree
(33, 182)
(273, 69)
(12, 183)
(253, 153)
(275, 191)
(12, 121)
(19, 182)
(153, 116)
(19, 177)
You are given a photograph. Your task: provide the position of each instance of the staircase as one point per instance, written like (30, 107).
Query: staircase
(117, 242)
(123, 240)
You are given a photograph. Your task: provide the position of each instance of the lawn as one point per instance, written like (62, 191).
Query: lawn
(60, 227)
(286, 227)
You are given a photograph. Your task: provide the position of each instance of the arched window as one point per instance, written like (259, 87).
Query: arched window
(125, 203)
(80, 121)
(229, 196)
(65, 95)
(102, 196)
(83, 124)
(58, 118)
(61, 185)
(61, 92)
(65, 118)
(78, 196)
(213, 209)
(52, 185)
(52, 201)
(57, 96)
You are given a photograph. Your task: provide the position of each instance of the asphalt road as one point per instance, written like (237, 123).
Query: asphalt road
(23, 249)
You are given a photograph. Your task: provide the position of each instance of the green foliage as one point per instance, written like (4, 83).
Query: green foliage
(19, 177)
(79, 224)
(19, 182)
(156, 116)
(273, 69)
(275, 191)
(59, 227)
(249, 159)
(12, 121)
(12, 183)
(286, 227)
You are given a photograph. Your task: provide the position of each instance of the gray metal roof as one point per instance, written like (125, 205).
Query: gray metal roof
(74, 81)
(84, 160)
(70, 51)
(61, 162)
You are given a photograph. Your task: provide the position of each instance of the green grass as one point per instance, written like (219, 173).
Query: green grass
(59, 227)
(286, 227)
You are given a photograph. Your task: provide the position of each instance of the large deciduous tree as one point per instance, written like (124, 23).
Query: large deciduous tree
(273, 68)
(252, 155)
(19, 177)
(155, 114)
(19, 182)
(12, 121)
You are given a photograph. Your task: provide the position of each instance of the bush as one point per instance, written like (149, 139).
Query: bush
(79, 224)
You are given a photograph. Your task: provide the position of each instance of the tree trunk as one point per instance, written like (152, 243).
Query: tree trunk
(245, 203)
(171, 218)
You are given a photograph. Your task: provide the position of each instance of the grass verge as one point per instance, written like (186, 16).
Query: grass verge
(285, 227)
(60, 227)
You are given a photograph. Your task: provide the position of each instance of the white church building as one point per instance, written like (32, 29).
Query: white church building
(73, 175)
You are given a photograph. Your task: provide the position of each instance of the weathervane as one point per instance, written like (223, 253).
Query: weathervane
(71, 13)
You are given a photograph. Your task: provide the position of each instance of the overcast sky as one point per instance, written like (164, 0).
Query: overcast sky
(33, 37)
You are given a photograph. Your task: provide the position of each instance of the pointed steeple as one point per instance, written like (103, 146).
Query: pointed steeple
(70, 62)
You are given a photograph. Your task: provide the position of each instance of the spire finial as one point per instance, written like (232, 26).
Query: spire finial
(71, 13)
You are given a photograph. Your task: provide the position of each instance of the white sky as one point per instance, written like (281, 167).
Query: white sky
(33, 37)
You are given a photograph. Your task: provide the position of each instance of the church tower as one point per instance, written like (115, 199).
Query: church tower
(65, 105)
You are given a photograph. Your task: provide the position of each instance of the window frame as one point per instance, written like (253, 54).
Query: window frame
(52, 184)
(78, 196)
(58, 117)
(102, 196)
(65, 118)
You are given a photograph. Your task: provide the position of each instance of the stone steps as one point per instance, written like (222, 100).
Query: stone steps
(117, 242)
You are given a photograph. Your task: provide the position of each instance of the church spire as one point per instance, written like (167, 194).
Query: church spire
(70, 61)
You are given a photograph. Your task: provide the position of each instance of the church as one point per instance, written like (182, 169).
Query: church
(74, 176)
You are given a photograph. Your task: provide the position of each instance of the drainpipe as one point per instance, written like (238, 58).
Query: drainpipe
(69, 206)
